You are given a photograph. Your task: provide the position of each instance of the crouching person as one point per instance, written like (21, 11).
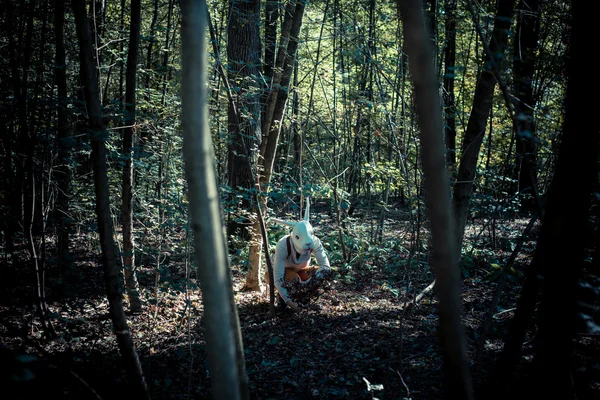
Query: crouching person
(293, 256)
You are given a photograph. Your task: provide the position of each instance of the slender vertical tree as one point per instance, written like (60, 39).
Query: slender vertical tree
(144, 134)
(20, 68)
(63, 173)
(449, 75)
(213, 269)
(120, 62)
(482, 104)
(131, 283)
(524, 51)
(274, 110)
(278, 92)
(270, 43)
(98, 133)
(451, 335)
(431, 9)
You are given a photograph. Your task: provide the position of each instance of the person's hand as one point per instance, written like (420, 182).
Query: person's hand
(322, 273)
(293, 305)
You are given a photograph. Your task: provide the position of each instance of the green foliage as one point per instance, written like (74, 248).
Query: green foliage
(383, 175)
(352, 107)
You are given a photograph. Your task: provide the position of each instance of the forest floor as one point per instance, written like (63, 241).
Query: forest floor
(355, 339)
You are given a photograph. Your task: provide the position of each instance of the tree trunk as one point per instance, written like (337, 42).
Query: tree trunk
(18, 206)
(121, 63)
(354, 175)
(557, 261)
(34, 189)
(271, 126)
(166, 68)
(300, 134)
(205, 211)
(145, 135)
(270, 35)
(449, 75)
(97, 14)
(431, 11)
(243, 51)
(525, 46)
(451, 335)
(63, 172)
(131, 283)
(98, 135)
(149, 51)
(482, 104)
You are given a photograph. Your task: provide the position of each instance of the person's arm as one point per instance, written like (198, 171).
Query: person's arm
(322, 260)
(281, 254)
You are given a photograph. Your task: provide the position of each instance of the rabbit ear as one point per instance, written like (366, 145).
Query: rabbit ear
(282, 222)
(307, 210)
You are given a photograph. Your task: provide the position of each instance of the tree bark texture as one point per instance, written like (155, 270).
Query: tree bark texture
(525, 45)
(482, 104)
(275, 106)
(449, 75)
(431, 11)
(20, 81)
(131, 283)
(563, 235)
(270, 43)
(98, 134)
(451, 335)
(243, 51)
(557, 262)
(63, 172)
(205, 211)
(279, 89)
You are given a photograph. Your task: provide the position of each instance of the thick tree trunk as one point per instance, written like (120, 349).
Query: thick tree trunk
(431, 11)
(98, 135)
(131, 283)
(243, 50)
(566, 217)
(451, 335)
(235, 322)
(275, 106)
(255, 257)
(221, 331)
(482, 104)
(557, 261)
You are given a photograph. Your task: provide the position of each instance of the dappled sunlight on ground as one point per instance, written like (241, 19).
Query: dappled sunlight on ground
(357, 328)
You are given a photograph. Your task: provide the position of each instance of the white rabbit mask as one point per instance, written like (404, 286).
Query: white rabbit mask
(302, 232)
